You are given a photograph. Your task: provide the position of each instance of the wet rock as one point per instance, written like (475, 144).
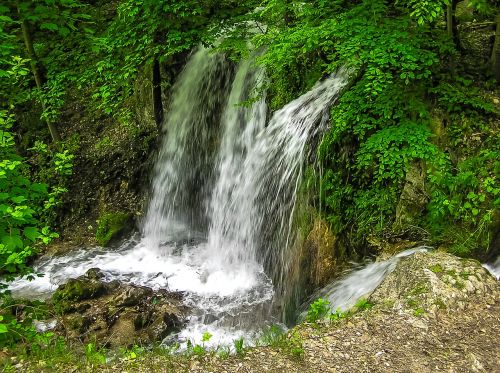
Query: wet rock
(76, 290)
(321, 244)
(131, 296)
(94, 274)
(387, 248)
(114, 226)
(123, 332)
(116, 314)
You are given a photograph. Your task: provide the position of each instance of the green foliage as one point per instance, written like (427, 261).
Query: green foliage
(363, 304)
(398, 52)
(144, 31)
(56, 31)
(425, 11)
(206, 337)
(197, 350)
(338, 315)
(294, 345)
(273, 336)
(21, 204)
(94, 354)
(318, 310)
(239, 346)
(16, 322)
(465, 194)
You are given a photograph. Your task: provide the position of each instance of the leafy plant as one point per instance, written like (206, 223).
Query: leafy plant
(338, 315)
(318, 310)
(273, 336)
(239, 346)
(363, 304)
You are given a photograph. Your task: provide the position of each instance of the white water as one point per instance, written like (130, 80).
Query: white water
(218, 226)
(358, 283)
(180, 173)
(494, 268)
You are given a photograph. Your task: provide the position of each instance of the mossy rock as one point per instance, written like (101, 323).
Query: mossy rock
(76, 290)
(113, 225)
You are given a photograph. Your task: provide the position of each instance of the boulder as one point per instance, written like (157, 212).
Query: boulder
(426, 283)
(116, 314)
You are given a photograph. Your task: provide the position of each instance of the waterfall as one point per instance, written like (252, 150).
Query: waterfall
(231, 238)
(218, 226)
(276, 164)
(182, 171)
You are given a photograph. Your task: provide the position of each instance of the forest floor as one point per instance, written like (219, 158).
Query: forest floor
(370, 341)
(367, 342)
(433, 313)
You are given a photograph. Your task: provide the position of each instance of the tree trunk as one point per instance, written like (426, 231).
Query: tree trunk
(451, 23)
(157, 100)
(495, 54)
(36, 70)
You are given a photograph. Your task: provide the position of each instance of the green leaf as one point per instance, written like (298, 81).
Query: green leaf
(18, 199)
(12, 242)
(40, 188)
(49, 26)
(32, 233)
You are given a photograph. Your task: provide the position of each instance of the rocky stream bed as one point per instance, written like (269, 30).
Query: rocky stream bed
(433, 313)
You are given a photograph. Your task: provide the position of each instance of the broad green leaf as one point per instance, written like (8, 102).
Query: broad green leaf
(32, 233)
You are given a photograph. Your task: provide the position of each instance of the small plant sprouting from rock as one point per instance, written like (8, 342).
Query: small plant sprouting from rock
(273, 336)
(195, 349)
(321, 309)
(318, 310)
(94, 354)
(294, 345)
(419, 312)
(338, 315)
(206, 337)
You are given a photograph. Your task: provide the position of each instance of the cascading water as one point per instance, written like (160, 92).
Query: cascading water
(231, 236)
(359, 282)
(185, 162)
(219, 222)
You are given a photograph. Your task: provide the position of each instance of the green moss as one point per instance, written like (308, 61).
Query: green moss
(419, 312)
(452, 273)
(110, 225)
(75, 290)
(436, 268)
(459, 285)
(465, 275)
(419, 289)
(440, 303)
(412, 303)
